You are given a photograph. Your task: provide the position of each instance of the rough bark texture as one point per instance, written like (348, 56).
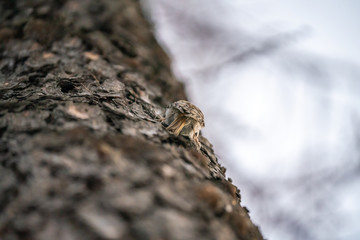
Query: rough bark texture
(82, 154)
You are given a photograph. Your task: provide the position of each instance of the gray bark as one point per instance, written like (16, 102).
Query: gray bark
(82, 153)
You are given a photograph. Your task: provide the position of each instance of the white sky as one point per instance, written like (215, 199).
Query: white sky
(335, 24)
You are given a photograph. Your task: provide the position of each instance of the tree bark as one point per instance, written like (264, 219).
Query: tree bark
(83, 154)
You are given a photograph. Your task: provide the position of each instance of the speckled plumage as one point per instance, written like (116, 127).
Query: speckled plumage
(184, 118)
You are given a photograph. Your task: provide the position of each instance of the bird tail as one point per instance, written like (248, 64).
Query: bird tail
(177, 125)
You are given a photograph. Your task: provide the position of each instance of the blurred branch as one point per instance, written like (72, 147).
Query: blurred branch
(265, 47)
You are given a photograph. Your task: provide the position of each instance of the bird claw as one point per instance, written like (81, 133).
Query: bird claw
(161, 120)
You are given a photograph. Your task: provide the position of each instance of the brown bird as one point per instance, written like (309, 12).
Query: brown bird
(184, 118)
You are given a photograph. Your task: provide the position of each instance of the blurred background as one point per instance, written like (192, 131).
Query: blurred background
(278, 82)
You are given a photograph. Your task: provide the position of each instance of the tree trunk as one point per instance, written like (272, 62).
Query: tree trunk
(83, 154)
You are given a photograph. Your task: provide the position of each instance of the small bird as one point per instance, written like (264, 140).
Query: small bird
(184, 118)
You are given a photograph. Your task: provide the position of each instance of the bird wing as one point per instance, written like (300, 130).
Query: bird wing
(177, 125)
